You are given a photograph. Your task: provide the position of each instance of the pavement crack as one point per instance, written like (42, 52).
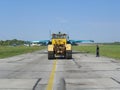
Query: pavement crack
(36, 84)
(76, 63)
(115, 80)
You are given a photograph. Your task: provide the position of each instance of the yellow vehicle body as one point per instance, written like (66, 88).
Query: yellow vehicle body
(59, 41)
(59, 47)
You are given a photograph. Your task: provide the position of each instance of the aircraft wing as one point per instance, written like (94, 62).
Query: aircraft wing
(74, 42)
(44, 42)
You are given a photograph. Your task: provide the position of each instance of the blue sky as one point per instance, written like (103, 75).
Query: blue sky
(98, 20)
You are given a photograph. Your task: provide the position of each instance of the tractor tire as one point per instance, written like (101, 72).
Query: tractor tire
(51, 55)
(69, 54)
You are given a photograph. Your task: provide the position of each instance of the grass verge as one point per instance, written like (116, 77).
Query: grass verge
(112, 51)
(8, 51)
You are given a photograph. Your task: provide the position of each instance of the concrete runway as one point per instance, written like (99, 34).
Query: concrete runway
(33, 71)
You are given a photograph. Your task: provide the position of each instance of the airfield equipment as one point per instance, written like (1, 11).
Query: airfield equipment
(59, 46)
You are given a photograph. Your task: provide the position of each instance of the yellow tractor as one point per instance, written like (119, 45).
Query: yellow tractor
(59, 46)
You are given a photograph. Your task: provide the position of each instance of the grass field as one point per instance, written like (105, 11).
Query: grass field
(112, 51)
(8, 51)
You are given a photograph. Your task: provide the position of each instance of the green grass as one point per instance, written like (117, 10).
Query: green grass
(8, 51)
(112, 51)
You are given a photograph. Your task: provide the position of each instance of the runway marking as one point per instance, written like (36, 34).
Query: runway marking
(52, 75)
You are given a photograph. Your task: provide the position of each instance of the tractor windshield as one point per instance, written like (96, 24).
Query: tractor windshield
(59, 36)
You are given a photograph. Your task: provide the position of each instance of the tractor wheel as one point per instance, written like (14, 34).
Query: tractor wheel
(69, 54)
(51, 55)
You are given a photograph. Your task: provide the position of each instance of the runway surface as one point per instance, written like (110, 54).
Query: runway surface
(33, 71)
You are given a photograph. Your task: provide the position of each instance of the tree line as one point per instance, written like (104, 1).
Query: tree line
(13, 42)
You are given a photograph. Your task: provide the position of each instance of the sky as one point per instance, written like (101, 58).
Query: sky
(97, 20)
